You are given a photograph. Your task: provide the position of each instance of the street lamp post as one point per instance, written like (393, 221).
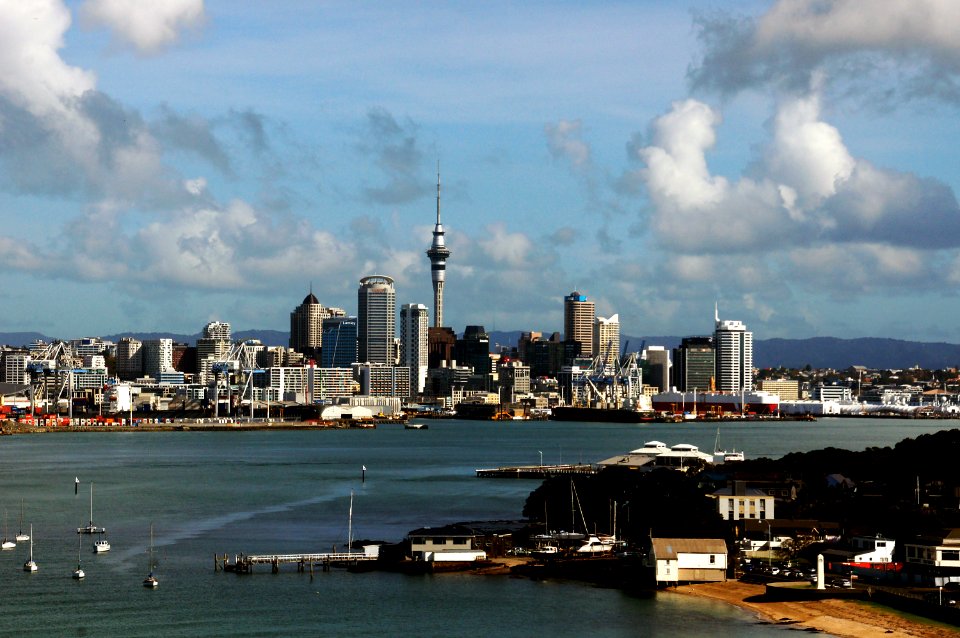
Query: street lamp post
(769, 548)
(541, 457)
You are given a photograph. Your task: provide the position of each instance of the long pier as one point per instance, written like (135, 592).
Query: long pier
(244, 563)
(537, 471)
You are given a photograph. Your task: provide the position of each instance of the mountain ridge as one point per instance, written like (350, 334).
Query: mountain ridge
(817, 352)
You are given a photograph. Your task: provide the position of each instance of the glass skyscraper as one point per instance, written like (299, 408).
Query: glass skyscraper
(338, 342)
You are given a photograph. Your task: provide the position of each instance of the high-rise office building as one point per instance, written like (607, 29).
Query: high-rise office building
(473, 350)
(733, 346)
(578, 317)
(694, 365)
(376, 320)
(213, 345)
(438, 254)
(606, 339)
(658, 367)
(306, 325)
(129, 358)
(339, 342)
(414, 325)
(157, 357)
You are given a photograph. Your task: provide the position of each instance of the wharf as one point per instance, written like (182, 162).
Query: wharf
(537, 471)
(244, 563)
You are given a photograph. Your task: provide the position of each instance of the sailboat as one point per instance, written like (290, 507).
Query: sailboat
(724, 456)
(78, 572)
(20, 535)
(151, 580)
(30, 565)
(6, 543)
(91, 528)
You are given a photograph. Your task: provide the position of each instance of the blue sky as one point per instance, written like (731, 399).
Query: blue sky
(167, 164)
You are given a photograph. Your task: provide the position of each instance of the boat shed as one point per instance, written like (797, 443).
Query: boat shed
(450, 543)
(343, 412)
(688, 560)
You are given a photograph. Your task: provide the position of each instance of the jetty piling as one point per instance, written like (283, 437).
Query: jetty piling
(244, 563)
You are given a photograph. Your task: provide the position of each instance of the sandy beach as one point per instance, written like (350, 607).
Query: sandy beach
(837, 617)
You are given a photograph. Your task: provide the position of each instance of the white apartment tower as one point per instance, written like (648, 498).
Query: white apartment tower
(606, 339)
(129, 358)
(414, 324)
(376, 320)
(733, 346)
(157, 357)
(15, 368)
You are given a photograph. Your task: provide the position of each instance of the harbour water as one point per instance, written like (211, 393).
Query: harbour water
(288, 491)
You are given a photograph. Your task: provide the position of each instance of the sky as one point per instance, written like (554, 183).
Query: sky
(163, 165)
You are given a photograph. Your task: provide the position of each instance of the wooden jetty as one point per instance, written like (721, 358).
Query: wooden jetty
(243, 563)
(537, 471)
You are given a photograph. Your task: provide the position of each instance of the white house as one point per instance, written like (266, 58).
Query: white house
(739, 502)
(872, 549)
(936, 559)
(689, 560)
(451, 543)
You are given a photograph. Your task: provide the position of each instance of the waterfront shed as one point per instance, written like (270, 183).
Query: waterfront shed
(689, 560)
(453, 543)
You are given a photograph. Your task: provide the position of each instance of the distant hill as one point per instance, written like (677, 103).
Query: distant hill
(20, 339)
(830, 352)
(818, 352)
(267, 337)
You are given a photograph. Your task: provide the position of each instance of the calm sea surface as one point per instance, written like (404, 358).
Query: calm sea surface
(252, 492)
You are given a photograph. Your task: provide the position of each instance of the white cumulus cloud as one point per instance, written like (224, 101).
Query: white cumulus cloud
(147, 25)
(804, 187)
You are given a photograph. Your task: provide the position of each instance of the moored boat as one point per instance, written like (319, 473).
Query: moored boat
(31, 565)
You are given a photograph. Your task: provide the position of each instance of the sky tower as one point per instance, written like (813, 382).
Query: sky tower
(438, 254)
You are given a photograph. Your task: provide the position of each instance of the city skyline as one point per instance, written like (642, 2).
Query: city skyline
(165, 165)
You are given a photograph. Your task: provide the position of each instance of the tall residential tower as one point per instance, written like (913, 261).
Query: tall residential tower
(438, 254)
(376, 320)
(733, 347)
(414, 323)
(578, 317)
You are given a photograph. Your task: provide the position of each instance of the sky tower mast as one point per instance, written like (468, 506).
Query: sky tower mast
(438, 254)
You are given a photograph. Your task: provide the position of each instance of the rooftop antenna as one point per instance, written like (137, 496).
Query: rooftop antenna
(716, 311)
(438, 192)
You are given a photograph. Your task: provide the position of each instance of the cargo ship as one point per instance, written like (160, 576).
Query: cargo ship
(717, 403)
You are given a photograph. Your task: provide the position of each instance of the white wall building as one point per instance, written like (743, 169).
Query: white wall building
(331, 383)
(157, 357)
(606, 339)
(873, 549)
(382, 380)
(129, 358)
(452, 543)
(689, 560)
(733, 347)
(414, 323)
(15, 368)
(739, 502)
